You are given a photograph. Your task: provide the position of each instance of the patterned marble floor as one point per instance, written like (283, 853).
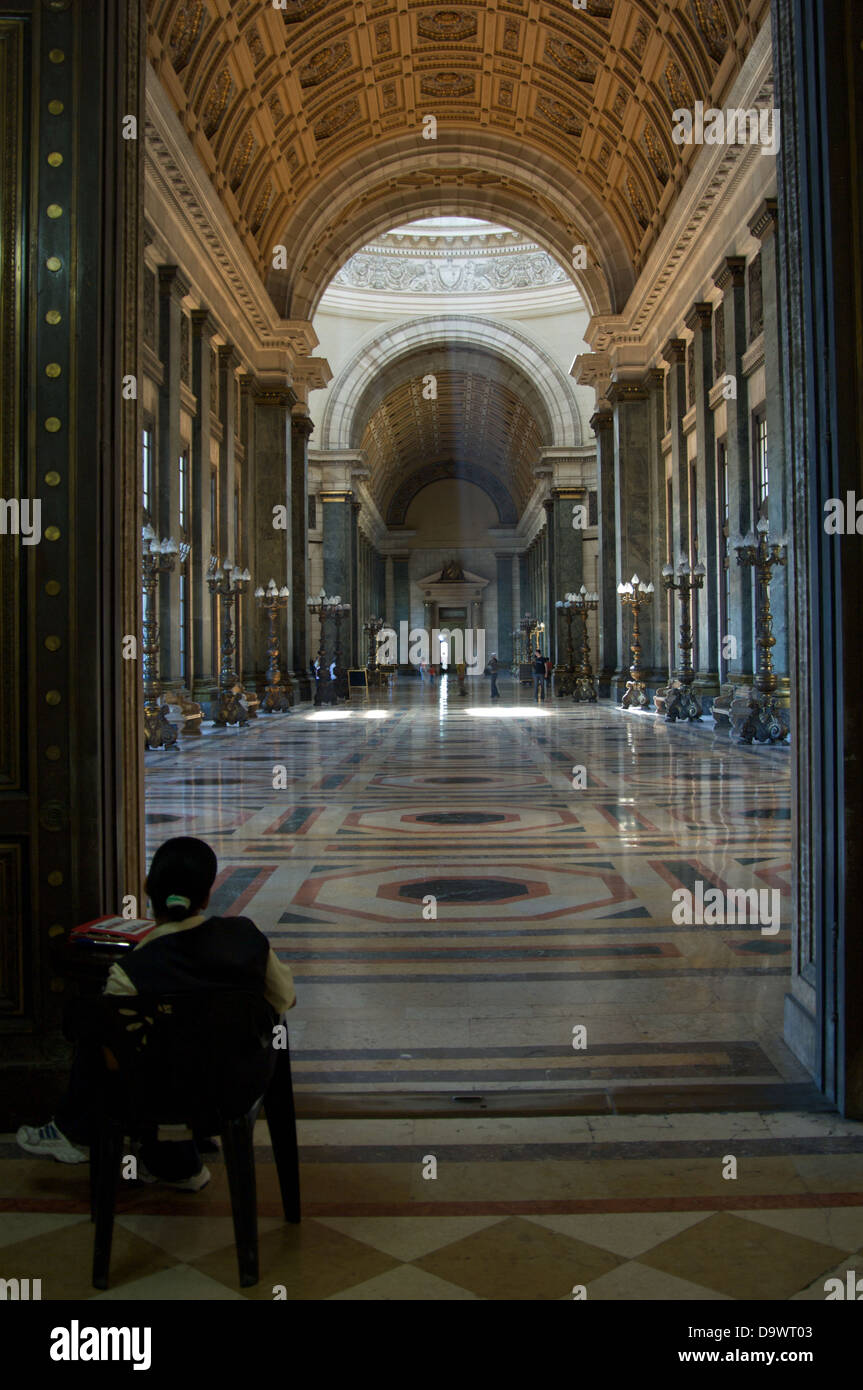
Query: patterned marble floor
(554, 901)
(627, 1207)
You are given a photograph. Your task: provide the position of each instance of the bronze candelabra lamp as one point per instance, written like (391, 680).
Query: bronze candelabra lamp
(371, 627)
(763, 717)
(635, 595)
(324, 607)
(583, 603)
(564, 676)
(228, 581)
(277, 696)
(679, 700)
(158, 558)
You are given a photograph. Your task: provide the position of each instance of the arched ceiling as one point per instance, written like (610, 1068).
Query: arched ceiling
(552, 119)
(476, 427)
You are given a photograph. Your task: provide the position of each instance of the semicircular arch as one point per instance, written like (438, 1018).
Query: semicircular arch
(382, 361)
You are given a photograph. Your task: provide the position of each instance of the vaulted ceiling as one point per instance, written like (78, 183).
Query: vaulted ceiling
(477, 427)
(556, 120)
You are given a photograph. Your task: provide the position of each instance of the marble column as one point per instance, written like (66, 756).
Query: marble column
(273, 555)
(730, 278)
(566, 572)
(401, 594)
(525, 597)
(172, 290)
(205, 648)
(816, 69)
(629, 401)
(609, 660)
(505, 615)
(763, 226)
(228, 363)
(389, 606)
(301, 429)
(654, 382)
(353, 630)
(705, 602)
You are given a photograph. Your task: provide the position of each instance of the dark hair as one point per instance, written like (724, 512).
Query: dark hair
(183, 867)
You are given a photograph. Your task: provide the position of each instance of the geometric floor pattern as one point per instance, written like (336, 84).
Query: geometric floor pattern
(553, 901)
(629, 1207)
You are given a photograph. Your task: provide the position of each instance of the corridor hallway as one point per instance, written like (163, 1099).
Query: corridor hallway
(554, 909)
(553, 901)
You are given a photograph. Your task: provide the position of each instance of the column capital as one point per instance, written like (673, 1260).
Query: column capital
(172, 283)
(268, 393)
(699, 316)
(625, 392)
(674, 351)
(229, 358)
(302, 423)
(654, 379)
(601, 420)
(731, 271)
(764, 222)
(203, 323)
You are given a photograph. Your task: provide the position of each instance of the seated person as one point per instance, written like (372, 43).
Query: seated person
(186, 950)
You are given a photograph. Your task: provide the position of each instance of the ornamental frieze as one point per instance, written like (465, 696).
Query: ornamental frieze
(459, 275)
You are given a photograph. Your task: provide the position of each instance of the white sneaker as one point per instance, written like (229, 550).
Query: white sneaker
(50, 1142)
(192, 1184)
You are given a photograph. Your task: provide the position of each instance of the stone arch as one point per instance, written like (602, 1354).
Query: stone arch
(342, 424)
(468, 174)
(421, 478)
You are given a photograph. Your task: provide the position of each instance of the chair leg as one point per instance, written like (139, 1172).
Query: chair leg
(238, 1147)
(282, 1123)
(107, 1148)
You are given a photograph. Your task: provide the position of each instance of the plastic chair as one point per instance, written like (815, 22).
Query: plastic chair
(204, 1059)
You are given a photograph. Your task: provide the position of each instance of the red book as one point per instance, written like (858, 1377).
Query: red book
(119, 930)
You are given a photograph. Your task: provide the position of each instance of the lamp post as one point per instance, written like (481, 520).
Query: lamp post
(565, 682)
(277, 695)
(680, 703)
(158, 558)
(635, 595)
(526, 629)
(584, 603)
(371, 627)
(324, 607)
(228, 581)
(763, 718)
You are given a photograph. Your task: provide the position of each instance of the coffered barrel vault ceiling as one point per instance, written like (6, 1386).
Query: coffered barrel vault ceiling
(551, 119)
(486, 422)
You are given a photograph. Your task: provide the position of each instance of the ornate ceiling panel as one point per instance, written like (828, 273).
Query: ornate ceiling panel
(477, 425)
(309, 116)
